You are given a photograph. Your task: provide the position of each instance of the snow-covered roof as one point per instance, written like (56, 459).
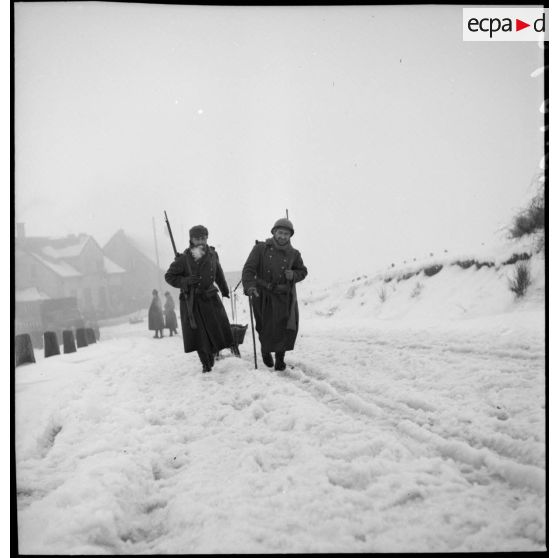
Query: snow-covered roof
(112, 267)
(63, 269)
(30, 294)
(71, 251)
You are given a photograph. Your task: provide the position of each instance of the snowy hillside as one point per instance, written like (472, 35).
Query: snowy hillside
(433, 288)
(451, 293)
(409, 425)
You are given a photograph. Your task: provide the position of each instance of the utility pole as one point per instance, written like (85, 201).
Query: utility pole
(157, 254)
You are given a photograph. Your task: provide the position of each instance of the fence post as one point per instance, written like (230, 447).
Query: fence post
(81, 337)
(90, 335)
(68, 340)
(51, 344)
(23, 349)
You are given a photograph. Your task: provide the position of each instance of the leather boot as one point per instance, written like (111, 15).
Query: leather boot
(280, 361)
(206, 361)
(267, 359)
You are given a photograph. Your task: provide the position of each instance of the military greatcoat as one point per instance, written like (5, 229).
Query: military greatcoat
(170, 314)
(155, 319)
(276, 307)
(213, 330)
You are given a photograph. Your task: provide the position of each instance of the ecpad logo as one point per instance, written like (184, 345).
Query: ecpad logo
(505, 24)
(493, 25)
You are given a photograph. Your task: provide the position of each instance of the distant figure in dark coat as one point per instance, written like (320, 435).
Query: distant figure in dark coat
(170, 315)
(205, 325)
(155, 319)
(268, 277)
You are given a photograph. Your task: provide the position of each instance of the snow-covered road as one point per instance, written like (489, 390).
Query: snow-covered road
(375, 439)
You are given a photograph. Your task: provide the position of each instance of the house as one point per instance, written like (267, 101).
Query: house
(68, 267)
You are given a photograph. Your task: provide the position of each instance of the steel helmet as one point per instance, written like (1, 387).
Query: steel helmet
(283, 224)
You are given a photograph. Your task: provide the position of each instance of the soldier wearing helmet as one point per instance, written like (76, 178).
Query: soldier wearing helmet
(269, 276)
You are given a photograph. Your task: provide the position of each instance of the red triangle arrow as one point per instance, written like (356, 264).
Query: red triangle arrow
(519, 25)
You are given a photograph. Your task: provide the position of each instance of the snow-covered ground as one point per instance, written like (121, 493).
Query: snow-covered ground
(413, 423)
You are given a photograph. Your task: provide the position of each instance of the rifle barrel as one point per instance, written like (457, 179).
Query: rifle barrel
(171, 235)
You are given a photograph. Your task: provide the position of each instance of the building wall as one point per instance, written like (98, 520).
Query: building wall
(30, 272)
(142, 274)
(91, 259)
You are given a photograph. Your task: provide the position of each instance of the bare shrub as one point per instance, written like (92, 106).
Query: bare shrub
(465, 264)
(514, 258)
(532, 218)
(382, 295)
(406, 276)
(484, 264)
(521, 279)
(432, 270)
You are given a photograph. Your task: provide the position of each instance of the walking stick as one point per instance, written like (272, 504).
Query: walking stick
(253, 335)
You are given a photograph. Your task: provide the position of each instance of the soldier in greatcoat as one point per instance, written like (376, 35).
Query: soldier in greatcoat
(205, 325)
(155, 321)
(170, 314)
(269, 277)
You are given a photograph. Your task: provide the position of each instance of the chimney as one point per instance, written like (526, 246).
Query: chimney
(20, 230)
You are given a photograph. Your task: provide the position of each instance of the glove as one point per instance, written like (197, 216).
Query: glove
(289, 274)
(252, 291)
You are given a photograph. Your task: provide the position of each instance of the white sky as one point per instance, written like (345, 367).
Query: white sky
(385, 134)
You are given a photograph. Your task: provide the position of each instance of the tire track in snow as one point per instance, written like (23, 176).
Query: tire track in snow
(507, 441)
(341, 395)
(422, 412)
(507, 349)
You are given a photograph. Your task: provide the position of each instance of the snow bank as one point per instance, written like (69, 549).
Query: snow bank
(451, 293)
